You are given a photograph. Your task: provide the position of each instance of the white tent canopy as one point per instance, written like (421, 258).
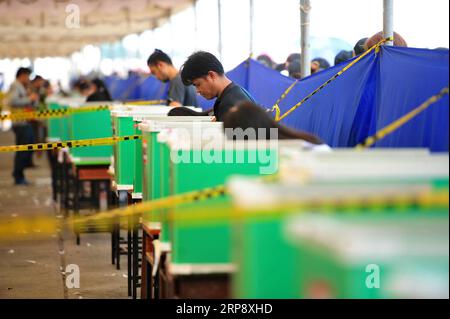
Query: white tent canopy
(38, 28)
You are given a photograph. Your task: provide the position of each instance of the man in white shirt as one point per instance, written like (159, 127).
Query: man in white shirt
(19, 99)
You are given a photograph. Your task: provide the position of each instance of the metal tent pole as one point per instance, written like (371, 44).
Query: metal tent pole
(195, 24)
(388, 20)
(251, 28)
(219, 12)
(305, 8)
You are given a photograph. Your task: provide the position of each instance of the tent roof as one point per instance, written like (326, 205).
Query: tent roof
(38, 28)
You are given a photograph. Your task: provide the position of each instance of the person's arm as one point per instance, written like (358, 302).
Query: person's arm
(177, 92)
(18, 97)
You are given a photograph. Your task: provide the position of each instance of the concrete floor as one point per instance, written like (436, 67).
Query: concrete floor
(30, 268)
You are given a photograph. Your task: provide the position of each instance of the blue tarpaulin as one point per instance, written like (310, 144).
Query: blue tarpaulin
(152, 89)
(407, 78)
(373, 93)
(136, 88)
(376, 91)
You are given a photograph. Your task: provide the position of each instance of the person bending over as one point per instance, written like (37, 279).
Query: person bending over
(162, 68)
(206, 73)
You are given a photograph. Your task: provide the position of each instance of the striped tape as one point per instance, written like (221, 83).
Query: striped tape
(162, 203)
(18, 228)
(276, 107)
(389, 129)
(68, 144)
(437, 199)
(334, 77)
(47, 114)
(144, 103)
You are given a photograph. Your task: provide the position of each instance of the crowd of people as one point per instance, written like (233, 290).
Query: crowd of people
(292, 65)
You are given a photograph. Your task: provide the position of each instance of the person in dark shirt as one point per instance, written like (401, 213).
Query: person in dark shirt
(206, 73)
(96, 91)
(162, 68)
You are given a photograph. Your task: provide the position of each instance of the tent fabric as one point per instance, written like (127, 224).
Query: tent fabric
(407, 78)
(377, 90)
(119, 88)
(330, 113)
(152, 89)
(135, 88)
(373, 93)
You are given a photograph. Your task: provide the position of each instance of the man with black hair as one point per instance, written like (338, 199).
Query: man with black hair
(319, 64)
(342, 56)
(20, 99)
(206, 73)
(359, 47)
(293, 57)
(294, 69)
(162, 68)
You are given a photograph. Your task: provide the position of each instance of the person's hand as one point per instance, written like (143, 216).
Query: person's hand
(175, 104)
(33, 97)
(213, 119)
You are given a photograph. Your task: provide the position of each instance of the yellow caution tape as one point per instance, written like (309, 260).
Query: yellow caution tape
(143, 103)
(69, 144)
(162, 203)
(31, 227)
(334, 77)
(47, 114)
(385, 131)
(17, 228)
(283, 96)
(277, 110)
(345, 205)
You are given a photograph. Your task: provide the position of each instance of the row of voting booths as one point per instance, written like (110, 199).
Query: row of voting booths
(280, 220)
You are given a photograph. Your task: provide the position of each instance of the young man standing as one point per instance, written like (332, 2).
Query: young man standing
(206, 73)
(162, 68)
(20, 99)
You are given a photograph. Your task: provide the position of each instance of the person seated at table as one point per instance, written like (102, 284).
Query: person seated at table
(247, 115)
(161, 66)
(206, 73)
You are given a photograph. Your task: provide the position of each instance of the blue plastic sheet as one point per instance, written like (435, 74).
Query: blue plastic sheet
(152, 89)
(376, 91)
(407, 78)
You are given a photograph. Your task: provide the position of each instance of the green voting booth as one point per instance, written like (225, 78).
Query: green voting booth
(266, 259)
